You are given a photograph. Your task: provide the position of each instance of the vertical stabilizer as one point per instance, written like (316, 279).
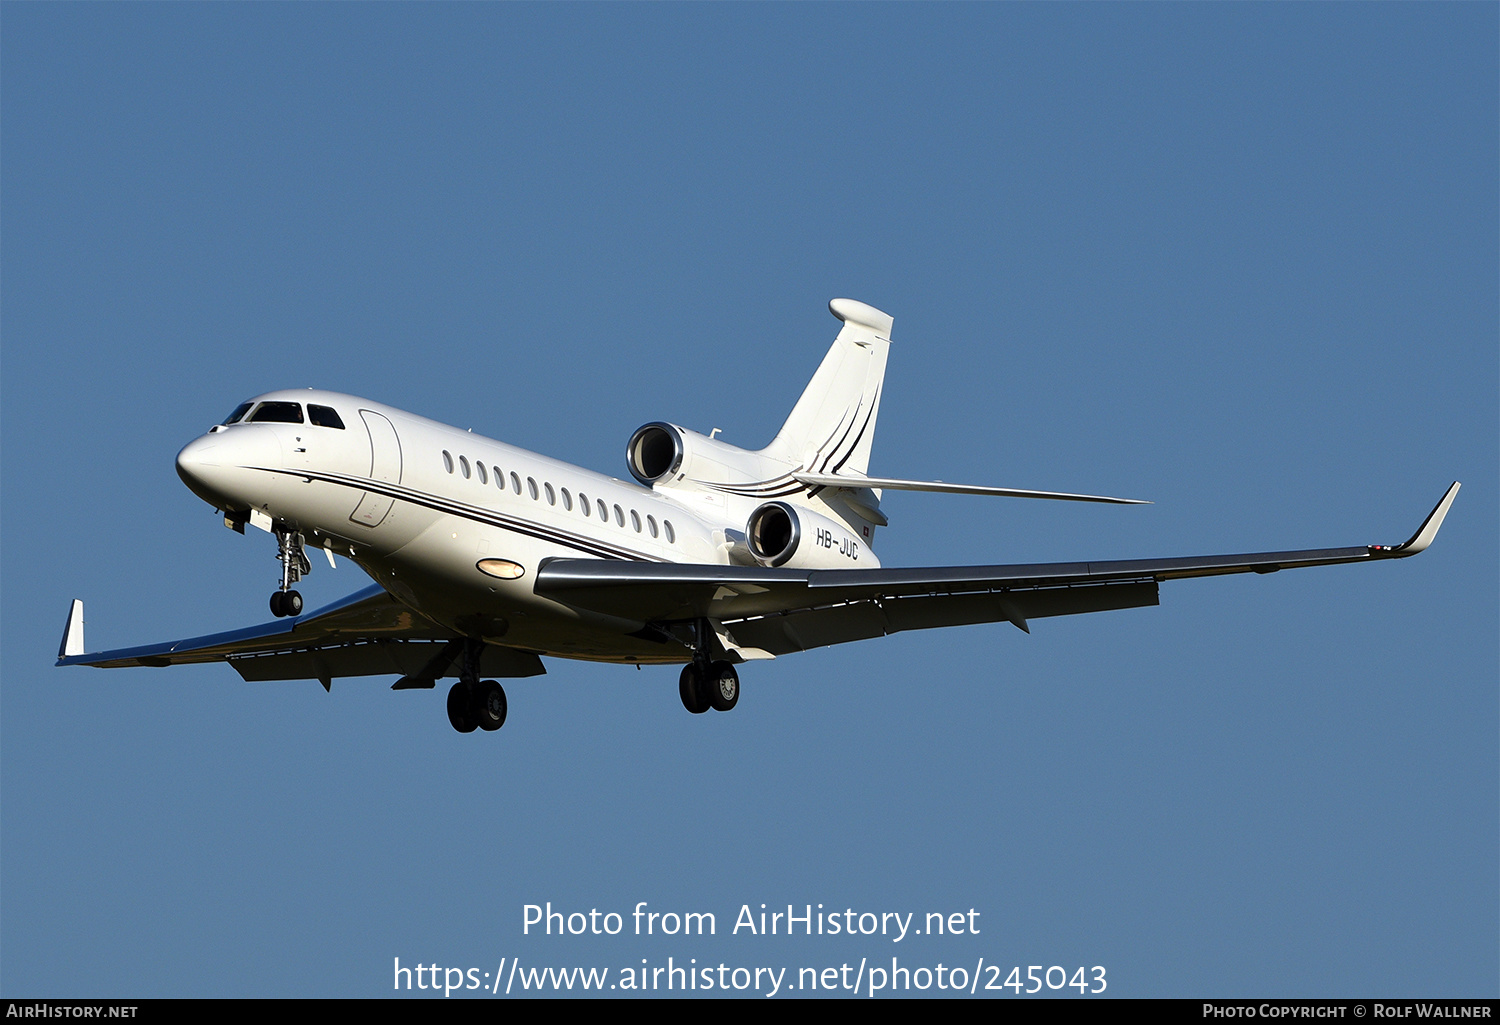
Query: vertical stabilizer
(832, 426)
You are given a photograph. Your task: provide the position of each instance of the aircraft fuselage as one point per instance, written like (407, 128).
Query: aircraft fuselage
(424, 508)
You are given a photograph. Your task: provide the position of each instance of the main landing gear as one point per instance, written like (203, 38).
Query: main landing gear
(706, 682)
(294, 566)
(474, 703)
(704, 685)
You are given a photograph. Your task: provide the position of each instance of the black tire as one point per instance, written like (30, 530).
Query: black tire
(723, 686)
(291, 604)
(690, 688)
(461, 709)
(489, 706)
(276, 604)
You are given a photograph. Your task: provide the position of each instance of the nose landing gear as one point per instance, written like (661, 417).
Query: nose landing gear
(294, 566)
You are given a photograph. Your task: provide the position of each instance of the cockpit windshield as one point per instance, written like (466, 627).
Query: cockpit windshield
(277, 413)
(324, 416)
(283, 413)
(239, 411)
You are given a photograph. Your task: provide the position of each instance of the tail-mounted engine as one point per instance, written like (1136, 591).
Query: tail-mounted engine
(780, 534)
(661, 454)
(655, 452)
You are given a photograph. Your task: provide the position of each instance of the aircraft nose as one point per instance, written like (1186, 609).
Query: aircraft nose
(214, 466)
(196, 456)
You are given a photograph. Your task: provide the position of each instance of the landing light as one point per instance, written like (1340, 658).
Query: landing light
(504, 569)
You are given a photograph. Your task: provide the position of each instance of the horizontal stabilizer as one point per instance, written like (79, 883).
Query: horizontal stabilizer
(895, 484)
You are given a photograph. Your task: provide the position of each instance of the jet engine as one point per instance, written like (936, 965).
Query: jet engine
(781, 534)
(661, 454)
(655, 452)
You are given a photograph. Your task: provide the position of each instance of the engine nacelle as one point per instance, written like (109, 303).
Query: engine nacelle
(662, 453)
(780, 534)
(655, 452)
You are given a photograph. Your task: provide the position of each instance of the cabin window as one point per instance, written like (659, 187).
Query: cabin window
(447, 460)
(531, 487)
(515, 482)
(277, 413)
(651, 526)
(603, 511)
(324, 416)
(479, 469)
(239, 411)
(583, 503)
(463, 466)
(619, 516)
(671, 534)
(551, 495)
(499, 478)
(567, 500)
(635, 520)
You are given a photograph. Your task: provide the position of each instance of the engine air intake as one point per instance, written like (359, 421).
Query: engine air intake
(654, 452)
(773, 533)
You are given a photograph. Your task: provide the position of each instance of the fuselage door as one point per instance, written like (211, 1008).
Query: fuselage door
(385, 467)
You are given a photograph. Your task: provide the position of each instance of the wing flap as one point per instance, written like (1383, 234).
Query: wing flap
(377, 658)
(920, 613)
(802, 629)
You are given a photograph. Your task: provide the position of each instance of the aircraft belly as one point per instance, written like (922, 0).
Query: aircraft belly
(437, 574)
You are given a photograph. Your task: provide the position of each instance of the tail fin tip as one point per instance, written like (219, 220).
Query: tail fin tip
(852, 311)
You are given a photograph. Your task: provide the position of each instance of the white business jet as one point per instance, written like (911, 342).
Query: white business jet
(486, 557)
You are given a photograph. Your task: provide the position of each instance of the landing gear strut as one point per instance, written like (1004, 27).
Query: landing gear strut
(474, 703)
(294, 566)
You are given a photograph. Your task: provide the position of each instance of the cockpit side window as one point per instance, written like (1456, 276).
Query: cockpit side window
(277, 413)
(239, 411)
(324, 416)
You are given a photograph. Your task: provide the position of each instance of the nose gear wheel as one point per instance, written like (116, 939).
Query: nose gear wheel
(294, 566)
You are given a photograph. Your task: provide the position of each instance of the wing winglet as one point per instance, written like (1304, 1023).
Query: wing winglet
(72, 638)
(1429, 528)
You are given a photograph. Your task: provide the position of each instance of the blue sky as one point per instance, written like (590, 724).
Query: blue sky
(1237, 259)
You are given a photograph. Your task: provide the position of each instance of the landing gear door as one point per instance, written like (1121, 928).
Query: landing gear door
(385, 466)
